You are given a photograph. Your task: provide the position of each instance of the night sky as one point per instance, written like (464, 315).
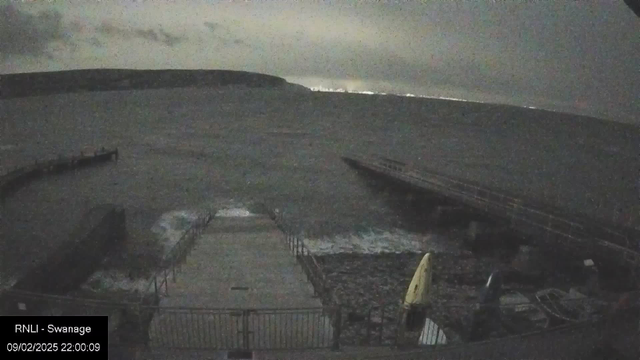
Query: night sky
(575, 56)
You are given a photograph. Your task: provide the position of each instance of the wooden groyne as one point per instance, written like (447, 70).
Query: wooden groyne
(613, 242)
(21, 176)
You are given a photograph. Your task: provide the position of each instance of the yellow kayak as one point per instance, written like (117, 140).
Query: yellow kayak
(420, 287)
(418, 295)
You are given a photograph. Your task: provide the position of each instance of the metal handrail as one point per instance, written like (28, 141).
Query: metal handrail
(69, 299)
(514, 206)
(414, 174)
(515, 202)
(160, 279)
(513, 199)
(551, 229)
(311, 268)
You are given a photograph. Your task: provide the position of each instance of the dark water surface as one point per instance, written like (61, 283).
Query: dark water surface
(188, 148)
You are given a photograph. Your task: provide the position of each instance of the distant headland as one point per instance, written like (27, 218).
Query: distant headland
(70, 81)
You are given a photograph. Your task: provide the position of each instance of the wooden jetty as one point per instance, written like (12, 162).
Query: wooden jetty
(546, 223)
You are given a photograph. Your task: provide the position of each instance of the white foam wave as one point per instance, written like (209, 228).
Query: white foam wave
(379, 242)
(7, 282)
(115, 280)
(172, 226)
(234, 212)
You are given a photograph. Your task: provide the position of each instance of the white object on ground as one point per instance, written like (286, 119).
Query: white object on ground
(431, 334)
(588, 262)
(234, 212)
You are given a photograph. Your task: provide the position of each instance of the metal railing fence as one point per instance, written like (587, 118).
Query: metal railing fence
(517, 210)
(159, 282)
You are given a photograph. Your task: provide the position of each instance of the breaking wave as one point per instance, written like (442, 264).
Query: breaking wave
(172, 226)
(6, 282)
(115, 280)
(7, 147)
(379, 242)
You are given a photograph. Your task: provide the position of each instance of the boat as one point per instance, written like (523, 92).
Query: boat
(519, 315)
(571, 307)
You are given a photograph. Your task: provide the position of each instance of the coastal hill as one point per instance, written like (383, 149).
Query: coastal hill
(47, 83)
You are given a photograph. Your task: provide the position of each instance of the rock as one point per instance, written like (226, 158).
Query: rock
(527, 260)
(380, 282)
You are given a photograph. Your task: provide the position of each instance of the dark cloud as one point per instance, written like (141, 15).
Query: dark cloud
(211, 26)
(169, 39)
(158, 36)
(223, 35)
(111, 30)
(22, 33)
(94, 41)
(551, 51)
(147, 34)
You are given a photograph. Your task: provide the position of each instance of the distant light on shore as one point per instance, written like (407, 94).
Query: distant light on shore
(368, 92)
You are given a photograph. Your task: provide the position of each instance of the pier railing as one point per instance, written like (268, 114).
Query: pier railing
(519, 211)
(306, 259)
(240, 328)
(313, 272)
(22, 175)
(374, 325)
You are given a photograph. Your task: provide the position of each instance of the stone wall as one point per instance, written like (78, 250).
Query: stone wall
(100, 230)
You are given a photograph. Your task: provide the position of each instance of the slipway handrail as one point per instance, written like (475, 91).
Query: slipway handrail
(160, 280)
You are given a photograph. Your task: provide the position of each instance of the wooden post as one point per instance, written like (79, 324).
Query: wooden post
(380, 338)
(337, 321)
(368, 339)
(155, 287)
(166, 283)
(402, 313)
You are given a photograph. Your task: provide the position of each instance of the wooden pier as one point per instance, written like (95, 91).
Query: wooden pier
(543, 222)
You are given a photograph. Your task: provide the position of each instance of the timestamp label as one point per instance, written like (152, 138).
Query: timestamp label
(39, 337)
